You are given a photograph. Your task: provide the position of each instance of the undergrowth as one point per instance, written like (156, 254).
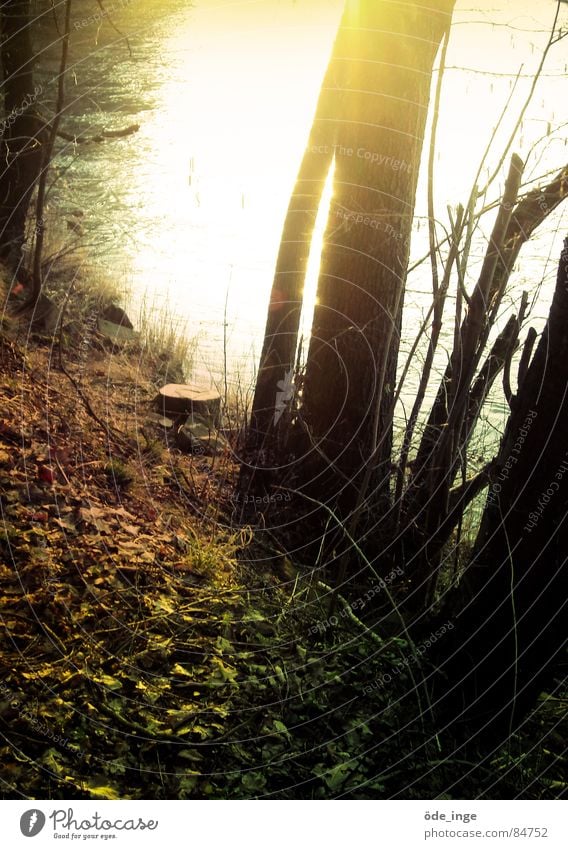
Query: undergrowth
(150, 651)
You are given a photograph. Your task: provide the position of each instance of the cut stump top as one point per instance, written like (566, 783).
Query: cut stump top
(188, 398)
(189, 392)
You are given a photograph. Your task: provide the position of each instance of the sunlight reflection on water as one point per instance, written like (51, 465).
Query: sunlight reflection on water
(190, 209)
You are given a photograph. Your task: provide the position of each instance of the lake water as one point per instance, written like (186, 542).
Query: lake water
(188, 211)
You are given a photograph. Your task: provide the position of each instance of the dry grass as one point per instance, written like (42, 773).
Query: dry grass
(82, 292)
(164, 338)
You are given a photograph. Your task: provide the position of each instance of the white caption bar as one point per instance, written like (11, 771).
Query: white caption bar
(277, 825)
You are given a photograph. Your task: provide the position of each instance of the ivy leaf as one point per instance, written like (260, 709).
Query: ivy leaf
(224, 673)
(107, 681)
(188, 783)
(101, 791)
(337, 776)
(281, 729)
(253, 781)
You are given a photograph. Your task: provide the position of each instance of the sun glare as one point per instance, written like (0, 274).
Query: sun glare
(314, 262)
(222, 149)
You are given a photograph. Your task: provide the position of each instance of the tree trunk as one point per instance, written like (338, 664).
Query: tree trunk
(512, 624)
(372, 122)
(278, 355)
(387, 62)
(21, 143)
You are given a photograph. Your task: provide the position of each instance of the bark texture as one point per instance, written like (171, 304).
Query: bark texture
(384, 54)
(513, 624)
(370, 117)
(23, 131)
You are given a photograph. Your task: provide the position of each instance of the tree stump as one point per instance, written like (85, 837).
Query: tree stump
(177, 399)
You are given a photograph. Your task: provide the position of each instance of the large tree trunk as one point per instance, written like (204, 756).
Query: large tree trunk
(370, 115)
(387, 56)
(513, 624)
(283, 321)
(21, 143)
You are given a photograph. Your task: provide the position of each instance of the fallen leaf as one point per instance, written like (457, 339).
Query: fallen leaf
(66, 524)
(93, 515)
(39, 517)
(46, 474)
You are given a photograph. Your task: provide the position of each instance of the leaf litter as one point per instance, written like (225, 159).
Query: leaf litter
(145, 652)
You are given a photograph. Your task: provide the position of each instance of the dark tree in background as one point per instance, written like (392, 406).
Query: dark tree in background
(23, 131)
(512, 626)
(431, 505)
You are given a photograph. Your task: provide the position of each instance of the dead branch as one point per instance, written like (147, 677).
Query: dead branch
(105, 135)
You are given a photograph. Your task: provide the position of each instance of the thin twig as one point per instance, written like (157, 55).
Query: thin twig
(47, 158)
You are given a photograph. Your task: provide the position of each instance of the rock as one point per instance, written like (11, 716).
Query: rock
(116, 315)
(45, 315)
(161, 421)
(176, 399)
(198, 438)
(185, 441)
(75, 227)
(117, 332)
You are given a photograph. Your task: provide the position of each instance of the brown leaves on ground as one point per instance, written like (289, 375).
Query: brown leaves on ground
(138, 659)
(112, 597)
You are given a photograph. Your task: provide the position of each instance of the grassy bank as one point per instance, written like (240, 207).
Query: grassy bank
(151, 648)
